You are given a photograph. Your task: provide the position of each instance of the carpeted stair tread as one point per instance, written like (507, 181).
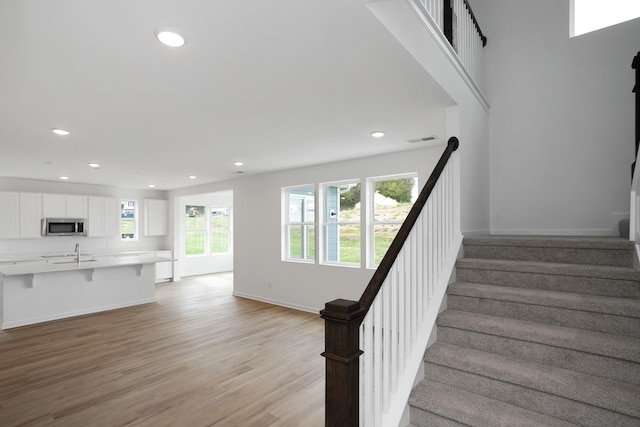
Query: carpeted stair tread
(584, 279)
(610, 345)
(572, 301)
(472, 409)
(562, 269)
(577, 250)
(599, 392)
(577, 242)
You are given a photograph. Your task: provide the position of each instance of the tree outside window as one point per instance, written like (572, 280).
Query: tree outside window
(391, 200)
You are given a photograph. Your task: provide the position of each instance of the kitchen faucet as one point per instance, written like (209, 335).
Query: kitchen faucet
(77, 251)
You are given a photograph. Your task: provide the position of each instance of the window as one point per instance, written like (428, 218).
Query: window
(346, 231)
(390, 200)
(299, 224)
(128, 220)
(342, 223)
(591, 15)
(195, 230)
(220, 229)
(207, 230)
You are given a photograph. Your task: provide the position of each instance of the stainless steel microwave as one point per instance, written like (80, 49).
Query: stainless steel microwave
(64, 227)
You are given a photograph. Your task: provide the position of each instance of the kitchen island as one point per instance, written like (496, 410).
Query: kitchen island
(39, 291)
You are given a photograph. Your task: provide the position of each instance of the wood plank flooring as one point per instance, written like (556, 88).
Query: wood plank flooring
(197, 357)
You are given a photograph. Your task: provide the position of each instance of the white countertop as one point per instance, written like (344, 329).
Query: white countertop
(43, 265)
(34, 257)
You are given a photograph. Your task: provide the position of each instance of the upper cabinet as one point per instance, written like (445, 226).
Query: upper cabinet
(20, 215)
(156, 217)
(30, 215)
(64, 206)
(9, 215)
(103, 216)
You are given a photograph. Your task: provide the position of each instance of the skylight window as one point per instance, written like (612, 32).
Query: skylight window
(591, 15)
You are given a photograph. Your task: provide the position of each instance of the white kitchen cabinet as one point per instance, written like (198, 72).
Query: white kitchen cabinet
(53, 206)
(111, 216)
(156, 217)
(164, 270)
(30, 215)
(103, 216)
(64, 206)
(75, 206)
(9, 215)
(96, 217)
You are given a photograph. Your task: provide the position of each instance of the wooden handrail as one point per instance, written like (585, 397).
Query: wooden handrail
(389, 258)
(636, 89)
(344, 317)
(475, 23)
(448, 24)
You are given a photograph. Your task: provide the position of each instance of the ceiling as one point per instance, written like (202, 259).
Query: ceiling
(275, 84)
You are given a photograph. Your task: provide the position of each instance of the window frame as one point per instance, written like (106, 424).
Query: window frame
(371, 211)
(135, 220)
(324, 225)
(201, 230)
(229, 209)
(287, 223)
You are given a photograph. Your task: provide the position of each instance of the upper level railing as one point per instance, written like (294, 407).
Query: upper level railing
(394, 316)
(634, 211)
(635, 64)
(456, 21)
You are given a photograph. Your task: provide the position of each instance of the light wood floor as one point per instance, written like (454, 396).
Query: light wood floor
(198, 357)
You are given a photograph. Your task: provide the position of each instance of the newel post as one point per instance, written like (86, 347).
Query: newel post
(342, 342)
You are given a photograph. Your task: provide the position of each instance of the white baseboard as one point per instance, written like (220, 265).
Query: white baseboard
(478, 232)
(278, 302)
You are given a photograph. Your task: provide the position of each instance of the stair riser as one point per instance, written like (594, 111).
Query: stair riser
(421, 418)
(545, 403)
(551, 282)
(609, 257)
(621, 325)
(579, 361)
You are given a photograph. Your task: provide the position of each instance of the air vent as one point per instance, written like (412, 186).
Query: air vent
(425, 139)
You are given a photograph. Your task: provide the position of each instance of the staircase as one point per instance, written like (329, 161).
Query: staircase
(538, 331)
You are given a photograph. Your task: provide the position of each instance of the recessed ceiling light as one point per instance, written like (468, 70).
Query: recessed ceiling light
(64, 178)
(238, 163)
(94, 165)
(377, 134)
(170, 38)
(192, 177)
(60, 132)
(152, 185)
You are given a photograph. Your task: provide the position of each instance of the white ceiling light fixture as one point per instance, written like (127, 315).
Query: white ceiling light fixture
(152, 185)
(61, 132)
(238, 163)
(64, 178)
(377, 134)
(170, 38)
(192, 177)
(94, 165)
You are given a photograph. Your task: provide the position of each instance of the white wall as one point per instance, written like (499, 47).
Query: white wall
(467, 117)
(561, 121)
(259, 272)
(54, 244)
(200, 264)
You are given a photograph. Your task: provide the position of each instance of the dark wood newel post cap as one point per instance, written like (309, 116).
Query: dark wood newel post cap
(341, 309)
